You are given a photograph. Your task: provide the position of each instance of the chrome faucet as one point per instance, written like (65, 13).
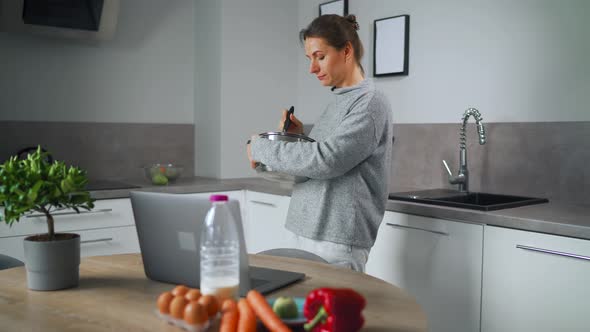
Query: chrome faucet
(462, 178)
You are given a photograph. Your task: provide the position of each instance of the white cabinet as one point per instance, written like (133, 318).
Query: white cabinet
(534, 282)
(237, 195)
(263, 218)
(107, 229)
(436, 261)
(93, 242)
(265, 226)
(234, 194)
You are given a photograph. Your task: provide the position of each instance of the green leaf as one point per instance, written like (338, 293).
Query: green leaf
(35, 184)
(34, 191)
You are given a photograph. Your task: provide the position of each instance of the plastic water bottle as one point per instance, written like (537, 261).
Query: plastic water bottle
(220, 252)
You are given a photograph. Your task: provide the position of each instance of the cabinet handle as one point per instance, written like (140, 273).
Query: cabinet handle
(418, 228)
(263, 203)
(70, 213)
(553, 252)
(98, 240)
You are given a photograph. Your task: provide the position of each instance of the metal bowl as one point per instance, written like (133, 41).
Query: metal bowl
(270, 174)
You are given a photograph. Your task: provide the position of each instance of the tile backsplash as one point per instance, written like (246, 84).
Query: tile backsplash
(541, 159)
(106, 150)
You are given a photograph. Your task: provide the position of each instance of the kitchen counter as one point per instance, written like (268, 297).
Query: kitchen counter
(556, 218)
(196, 185)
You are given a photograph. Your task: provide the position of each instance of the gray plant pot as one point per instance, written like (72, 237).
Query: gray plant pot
(52, 265)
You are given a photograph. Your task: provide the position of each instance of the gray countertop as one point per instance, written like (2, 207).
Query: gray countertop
(552, 218)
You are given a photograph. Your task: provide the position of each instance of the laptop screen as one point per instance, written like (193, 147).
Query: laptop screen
(169, 228)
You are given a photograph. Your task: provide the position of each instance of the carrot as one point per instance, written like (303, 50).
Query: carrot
(247, 322)
(263, 310)
(230, 317)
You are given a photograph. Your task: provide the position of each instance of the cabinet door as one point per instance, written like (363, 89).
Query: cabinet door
(438, 262)
(534, 282)
(265, 226)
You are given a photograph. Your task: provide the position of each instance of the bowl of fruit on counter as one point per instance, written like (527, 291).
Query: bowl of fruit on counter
(162, 174)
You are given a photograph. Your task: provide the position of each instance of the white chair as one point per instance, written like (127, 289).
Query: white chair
(6, 262)
(293, 253)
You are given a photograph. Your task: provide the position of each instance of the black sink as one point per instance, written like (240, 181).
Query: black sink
(469, 200)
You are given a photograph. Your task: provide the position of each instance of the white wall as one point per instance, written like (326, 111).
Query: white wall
(258, 64)
(516, 61)
(145, 74)
(230, 66)
(208, 88)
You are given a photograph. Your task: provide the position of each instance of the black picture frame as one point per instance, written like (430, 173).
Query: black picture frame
(391, 46)
(338, 7)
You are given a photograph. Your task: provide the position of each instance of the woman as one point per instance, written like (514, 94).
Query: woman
(337, 212)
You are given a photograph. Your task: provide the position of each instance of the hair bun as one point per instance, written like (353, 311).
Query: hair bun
(352, 19)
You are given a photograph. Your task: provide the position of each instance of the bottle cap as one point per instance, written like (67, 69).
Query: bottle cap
(218, 198)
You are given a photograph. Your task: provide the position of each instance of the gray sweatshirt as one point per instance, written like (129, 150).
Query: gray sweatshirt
(348, 165)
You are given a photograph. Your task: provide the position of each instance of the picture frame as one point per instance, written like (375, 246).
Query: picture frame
(338, 7)
(391, 41)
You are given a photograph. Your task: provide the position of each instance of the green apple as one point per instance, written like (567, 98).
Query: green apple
(159, 179)
(285, 307)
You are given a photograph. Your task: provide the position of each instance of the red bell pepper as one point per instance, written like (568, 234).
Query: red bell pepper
(334, 310)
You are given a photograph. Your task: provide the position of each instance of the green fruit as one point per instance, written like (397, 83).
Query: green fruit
(159, 179)
(285, 307)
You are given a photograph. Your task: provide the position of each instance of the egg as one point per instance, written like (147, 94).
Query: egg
(180, 290)
(177, 306)
(195, 313)
(164, 302)
(193, 294)
(210, 304)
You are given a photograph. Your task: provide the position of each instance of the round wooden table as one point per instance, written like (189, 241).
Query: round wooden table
(115, 295)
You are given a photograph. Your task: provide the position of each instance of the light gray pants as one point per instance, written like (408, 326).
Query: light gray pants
(339, 254)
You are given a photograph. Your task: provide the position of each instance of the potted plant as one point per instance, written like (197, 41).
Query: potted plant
(35, 185)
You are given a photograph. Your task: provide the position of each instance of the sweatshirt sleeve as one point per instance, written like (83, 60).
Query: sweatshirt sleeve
(354, 140)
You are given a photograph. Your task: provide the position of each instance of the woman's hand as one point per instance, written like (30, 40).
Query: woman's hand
(249, 152)
(296, 126)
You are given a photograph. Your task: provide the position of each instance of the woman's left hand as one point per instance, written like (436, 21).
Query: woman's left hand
(249, 151)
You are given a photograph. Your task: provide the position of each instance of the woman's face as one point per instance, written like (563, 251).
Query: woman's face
(328, 64)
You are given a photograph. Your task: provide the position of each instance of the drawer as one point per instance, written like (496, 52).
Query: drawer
(106, 213)
(109, 241)
(96, 242)
(237, 195)
(234, 194)
(267, 200)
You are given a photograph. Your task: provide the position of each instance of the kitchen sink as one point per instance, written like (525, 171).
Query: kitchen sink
(466, 200)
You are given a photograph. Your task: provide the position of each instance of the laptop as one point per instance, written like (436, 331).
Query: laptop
(169, 232)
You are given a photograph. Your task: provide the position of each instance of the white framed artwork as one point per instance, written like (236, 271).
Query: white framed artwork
(337, 7)
(391, 46)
